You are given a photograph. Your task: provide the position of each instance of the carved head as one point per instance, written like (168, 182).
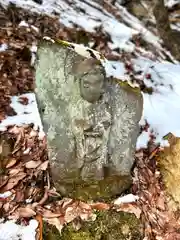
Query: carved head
(91, 77)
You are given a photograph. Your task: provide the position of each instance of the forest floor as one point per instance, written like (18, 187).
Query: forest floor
(26, 192)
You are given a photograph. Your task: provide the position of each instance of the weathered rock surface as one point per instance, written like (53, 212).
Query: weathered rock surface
(90, 121)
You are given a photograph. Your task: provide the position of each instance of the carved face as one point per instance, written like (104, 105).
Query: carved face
(92, 87)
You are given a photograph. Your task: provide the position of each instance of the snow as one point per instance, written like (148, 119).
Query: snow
(12, 231)
(143, 140)
(171, 3)
(5, 194)
(129, 198)
(120, 34)
(137, 25)
(33, 54)
(161, 109)
(35, 28)
(26, 114)
(115, 69)
(23, 24)
(3, 47)
(27, 25)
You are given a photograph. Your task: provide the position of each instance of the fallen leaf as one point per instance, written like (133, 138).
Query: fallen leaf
(71, 214)
(15, 171)
(88, 216)
(160, 203)
(49, 214)
(33, 133)
(44, 198)
(130, 208)
(19, 196)
(65, 202)
(32, 192)
(25, 212)
(53, 193)
(14, 181)
(84, 206)
(100, 206)
(32, 164)
(43, 166)
(76, 224)
(11, 162)
(17, 144)
(92, 217)
(6, 207)
(56, 222)
(3, 181)
(23, 100)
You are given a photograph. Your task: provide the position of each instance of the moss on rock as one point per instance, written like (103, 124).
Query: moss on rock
(109, 225)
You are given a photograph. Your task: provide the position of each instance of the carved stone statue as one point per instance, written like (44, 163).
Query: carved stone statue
(90, 121)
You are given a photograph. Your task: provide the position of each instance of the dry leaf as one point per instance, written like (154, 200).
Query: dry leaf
(130, 208)
(76, 224)
(25, 212)
(160, 203)
(32, 164)
(23, 100)
(56, 222)
(14, 181)
(65, 202)
(32, 192)
(6, 207)
(49, 214)
(93, 217)
(11, 162)
(53, 193)
(84, 216)
(84, 206)
(17, 144)
(43, 166)
(33, 133)
(100, 206)
(19, 196)
(71, 214)
(3, 180)
(15, 171)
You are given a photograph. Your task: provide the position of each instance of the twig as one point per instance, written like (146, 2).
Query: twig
(44, 198)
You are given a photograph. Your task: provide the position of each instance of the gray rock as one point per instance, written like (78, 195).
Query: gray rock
(90, 121)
